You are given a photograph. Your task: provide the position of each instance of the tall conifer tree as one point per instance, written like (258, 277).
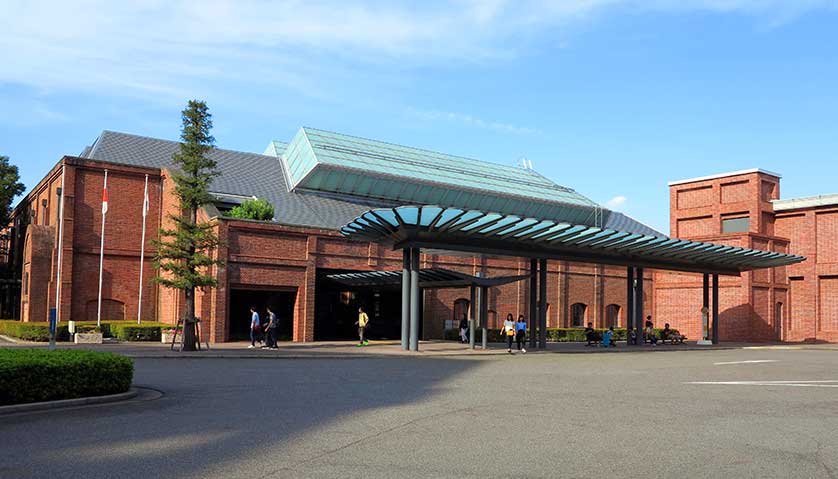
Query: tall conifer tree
(184, 254)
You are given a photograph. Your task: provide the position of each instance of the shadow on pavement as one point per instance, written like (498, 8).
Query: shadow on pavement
(217, 414)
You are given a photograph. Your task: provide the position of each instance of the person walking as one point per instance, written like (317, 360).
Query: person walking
(464, 329)
(508, 331)
(270, 329)
(521, 333)
(254, 328)
(362, 322)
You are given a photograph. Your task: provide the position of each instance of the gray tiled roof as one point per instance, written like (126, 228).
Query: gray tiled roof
(246, 174)
(251, 174)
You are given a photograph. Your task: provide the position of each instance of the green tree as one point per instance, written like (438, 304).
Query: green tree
(184, 253)
(256, 209)
(10, 188)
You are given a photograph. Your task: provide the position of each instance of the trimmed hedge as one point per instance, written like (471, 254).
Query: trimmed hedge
(123, 330)
(555, 335)
(34, 375)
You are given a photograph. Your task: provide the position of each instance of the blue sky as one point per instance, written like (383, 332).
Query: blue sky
(611, 97)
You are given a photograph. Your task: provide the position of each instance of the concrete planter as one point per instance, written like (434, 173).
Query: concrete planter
(166, 338)
(87, 338)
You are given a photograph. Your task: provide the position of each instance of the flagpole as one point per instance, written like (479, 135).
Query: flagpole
(102, 249)
(142, 252)
(60, 247)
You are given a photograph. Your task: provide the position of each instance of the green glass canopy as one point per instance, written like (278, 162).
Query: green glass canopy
(331, 162)
(505, 234)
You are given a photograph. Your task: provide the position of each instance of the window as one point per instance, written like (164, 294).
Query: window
(26, 283)
(778, 316)
(736, 225)
(577, 315)
(612, 315)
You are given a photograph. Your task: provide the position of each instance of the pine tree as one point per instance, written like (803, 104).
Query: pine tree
(184, 253)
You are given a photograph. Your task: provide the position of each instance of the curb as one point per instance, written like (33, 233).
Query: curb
(64, 403)
(464, 354)
(9, 339)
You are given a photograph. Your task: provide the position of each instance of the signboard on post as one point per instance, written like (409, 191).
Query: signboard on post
(53, 327)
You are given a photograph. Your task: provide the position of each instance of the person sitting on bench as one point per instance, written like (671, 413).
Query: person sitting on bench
(649, 333)
(591, 335)
(608, 338)
(671, 335)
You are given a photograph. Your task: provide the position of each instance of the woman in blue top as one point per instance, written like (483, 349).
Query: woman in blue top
(521, 333)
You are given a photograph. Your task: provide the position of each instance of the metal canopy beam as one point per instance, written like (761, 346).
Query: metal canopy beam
(514, 235)
(429, 278)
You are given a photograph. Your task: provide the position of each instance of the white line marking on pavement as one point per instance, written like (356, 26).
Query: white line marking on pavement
(826, 383)
(752, 361)
(773, 347)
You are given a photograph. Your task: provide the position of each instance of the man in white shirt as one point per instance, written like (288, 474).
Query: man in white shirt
(255, 328)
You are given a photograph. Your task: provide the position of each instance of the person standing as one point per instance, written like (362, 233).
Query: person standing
(521, 333)
(254, 328)
(508, 331)
(362, 322)
(464, 329)
(270, 341)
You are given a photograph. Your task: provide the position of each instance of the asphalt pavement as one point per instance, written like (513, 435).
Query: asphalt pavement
(681, 414)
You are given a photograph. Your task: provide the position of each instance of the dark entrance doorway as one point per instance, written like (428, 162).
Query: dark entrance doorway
(336, 309)
(281, 303)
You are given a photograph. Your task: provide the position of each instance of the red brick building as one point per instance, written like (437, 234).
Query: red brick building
(286, 263)
(793, 303)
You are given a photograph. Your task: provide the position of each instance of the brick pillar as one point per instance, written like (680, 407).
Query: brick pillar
(304, 315)
(218, 328)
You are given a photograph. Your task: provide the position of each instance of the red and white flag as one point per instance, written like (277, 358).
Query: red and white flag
(105, 196)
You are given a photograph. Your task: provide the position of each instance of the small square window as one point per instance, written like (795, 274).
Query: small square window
(736, 225)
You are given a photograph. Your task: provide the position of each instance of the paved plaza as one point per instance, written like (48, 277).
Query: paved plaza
(757, 412)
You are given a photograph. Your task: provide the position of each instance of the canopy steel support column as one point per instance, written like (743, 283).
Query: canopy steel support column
(533, 302)
(629, 301)
(472, 304)
(638, 305)
(715, 308)
(705, 310)
(542, 303)
(484, 313)
(415, 299)
(406, 299)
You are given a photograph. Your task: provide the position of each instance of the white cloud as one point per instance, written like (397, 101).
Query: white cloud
(616, 202)
(162, 48)
(470, 120)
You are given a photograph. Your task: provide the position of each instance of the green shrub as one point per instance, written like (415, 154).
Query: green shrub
(257, 209)
(123, 330)
(33, 375)
(136, 332)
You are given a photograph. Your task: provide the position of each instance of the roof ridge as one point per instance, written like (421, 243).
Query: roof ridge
(144, 137)
(477, 160)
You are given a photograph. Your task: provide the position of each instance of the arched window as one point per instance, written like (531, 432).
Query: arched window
(612, 315)
(460, 310)
(578, 314)
(112, 309)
